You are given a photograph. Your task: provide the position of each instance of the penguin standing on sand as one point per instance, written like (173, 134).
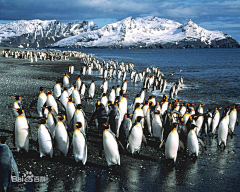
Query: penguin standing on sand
(114, 116)
(110, 147)
(51, 101)
(124, 86)
(76, 96)
(79, 144)
(21, 133)
(112, 95)
(45, 141)
(79, 116)
(70, 109)
(57, 90)
(64, 97)
(83, 89)
(171, 145)
(42, 98)
(17, 104)
(61, 136)
(91, 90)
(78, 83)
(7, 163)
(124, 130)
(157, 128)
(135, 136)
(66, 80)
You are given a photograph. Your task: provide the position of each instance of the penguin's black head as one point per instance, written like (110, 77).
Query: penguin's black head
(79, 106)
(78, 124)
(19, 111)
(139, 118)
(17, 97)
(41, 88)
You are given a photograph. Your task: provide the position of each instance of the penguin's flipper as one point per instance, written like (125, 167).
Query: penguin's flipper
(231, 133)
(121, 145)
(144, 140)
(201, 142)
(161, 144)
(14, 164)
(60, 104)
(181, 144)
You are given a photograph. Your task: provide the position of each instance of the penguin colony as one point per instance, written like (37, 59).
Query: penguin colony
(173, 124)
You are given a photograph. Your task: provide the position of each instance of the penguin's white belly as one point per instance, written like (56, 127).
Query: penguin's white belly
(171, 146)
(232, 120)
(21, 133)
(199, 123)
(51, 125)
(70, 111)
(79, 117)
(41, 101)
(135, 140)
(44, 141)
(51, 102)
(111, 149)
(79, 148)
(91, 91)
(223, 132)
(61, 138)
(157, 129)
(192, 143)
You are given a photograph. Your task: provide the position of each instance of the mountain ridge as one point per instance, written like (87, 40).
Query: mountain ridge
(141, 32)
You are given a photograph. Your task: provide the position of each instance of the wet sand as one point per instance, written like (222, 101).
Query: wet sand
(213, 170)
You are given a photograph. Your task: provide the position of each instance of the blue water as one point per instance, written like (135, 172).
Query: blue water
(211, 76)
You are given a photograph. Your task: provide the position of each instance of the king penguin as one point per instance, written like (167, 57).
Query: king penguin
(91, 90)
(57, 90)
(233, 119)
(7, 163)
(45, 141)
(135, 136)
(17, 104)
(61, 136)
(51, 101)
(192, 142)
(79, 144)
(110, 147)
(66, 80)
(157, 128)
(42, 98)
(171, 145)
(223, 128)
(21, 135)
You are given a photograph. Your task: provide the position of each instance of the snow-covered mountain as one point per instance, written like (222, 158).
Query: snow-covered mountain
(37, 33)
(151, 32)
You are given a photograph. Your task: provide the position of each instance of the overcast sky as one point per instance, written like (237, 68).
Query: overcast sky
(212, 15)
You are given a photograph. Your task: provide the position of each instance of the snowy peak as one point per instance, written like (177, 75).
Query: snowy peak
(35, 33)
(141, 32)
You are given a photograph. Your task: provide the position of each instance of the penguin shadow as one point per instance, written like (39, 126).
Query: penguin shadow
(6, 131)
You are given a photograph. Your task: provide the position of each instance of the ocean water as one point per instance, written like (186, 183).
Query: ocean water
(212, 77)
